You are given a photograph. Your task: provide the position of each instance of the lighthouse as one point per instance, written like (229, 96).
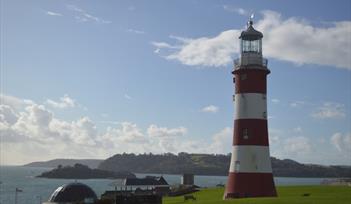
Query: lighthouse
(250, 171)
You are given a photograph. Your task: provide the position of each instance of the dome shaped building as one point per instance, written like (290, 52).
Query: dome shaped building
(73, 193)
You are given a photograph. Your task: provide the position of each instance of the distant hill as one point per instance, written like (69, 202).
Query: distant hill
(91, 163)
(79, 171)
(209, 164)
(200, 164)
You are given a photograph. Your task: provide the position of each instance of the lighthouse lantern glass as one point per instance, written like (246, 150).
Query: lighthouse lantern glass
(251, 46)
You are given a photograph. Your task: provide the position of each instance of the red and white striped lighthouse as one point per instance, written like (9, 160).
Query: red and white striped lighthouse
(250, 171)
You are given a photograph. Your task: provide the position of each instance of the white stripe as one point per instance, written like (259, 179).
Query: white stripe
(250, 159)
(250, 106)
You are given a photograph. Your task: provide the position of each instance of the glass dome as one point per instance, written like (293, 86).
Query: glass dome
(73, 192)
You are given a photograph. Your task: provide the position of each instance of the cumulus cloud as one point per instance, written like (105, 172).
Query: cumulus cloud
(33, 132)
(64, 102)
(14, 102)
(341, 142)
(129, 132)
(292, 39)
(51, 13)
(330, 110)
(7, 115)
(210, 109)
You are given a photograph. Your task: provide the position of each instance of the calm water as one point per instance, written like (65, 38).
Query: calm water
(36, 189)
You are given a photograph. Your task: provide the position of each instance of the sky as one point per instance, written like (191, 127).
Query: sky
(90, 79)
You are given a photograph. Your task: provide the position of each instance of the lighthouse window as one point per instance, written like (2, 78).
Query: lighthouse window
(264, 114)
(237, 165)
(246, 46)
(251, 46)
(245, 133)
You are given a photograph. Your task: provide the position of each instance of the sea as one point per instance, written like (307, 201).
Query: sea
(32, 190)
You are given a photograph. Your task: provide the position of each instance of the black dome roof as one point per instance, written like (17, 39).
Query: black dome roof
(250, 33)
(72, 192)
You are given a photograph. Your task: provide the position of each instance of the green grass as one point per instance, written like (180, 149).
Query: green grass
(286, 195)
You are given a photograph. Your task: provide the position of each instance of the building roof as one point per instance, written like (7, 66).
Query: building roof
(250, 33)
(147, 181)
(72, 192)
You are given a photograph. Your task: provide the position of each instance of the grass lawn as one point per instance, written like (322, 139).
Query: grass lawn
(286, 194)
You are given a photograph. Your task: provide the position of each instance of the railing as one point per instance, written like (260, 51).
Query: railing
(242, 61)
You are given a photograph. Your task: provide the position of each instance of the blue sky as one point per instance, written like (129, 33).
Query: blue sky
(89, 79)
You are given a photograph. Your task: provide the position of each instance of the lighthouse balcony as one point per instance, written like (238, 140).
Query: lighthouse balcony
(250, 59)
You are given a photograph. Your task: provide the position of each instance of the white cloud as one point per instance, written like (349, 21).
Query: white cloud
(135, 31)
(51, 13)
(161, 45)
(237, 10)
(284, 144)
(297, 145)
(222, 141)
(341, 142)
(128, 132)
(155, 131)
(292, 39)
(204, 51)
(65, 102)
(14, 102)
(330, 110)
(297, 41)
(32, 132)
(210, 109)
(83, 16)
(7, 115)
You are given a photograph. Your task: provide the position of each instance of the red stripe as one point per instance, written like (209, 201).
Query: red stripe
(241, 185)
(251, 81)
(257, 132)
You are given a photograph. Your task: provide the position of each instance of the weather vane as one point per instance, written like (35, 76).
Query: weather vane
(251, 19)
